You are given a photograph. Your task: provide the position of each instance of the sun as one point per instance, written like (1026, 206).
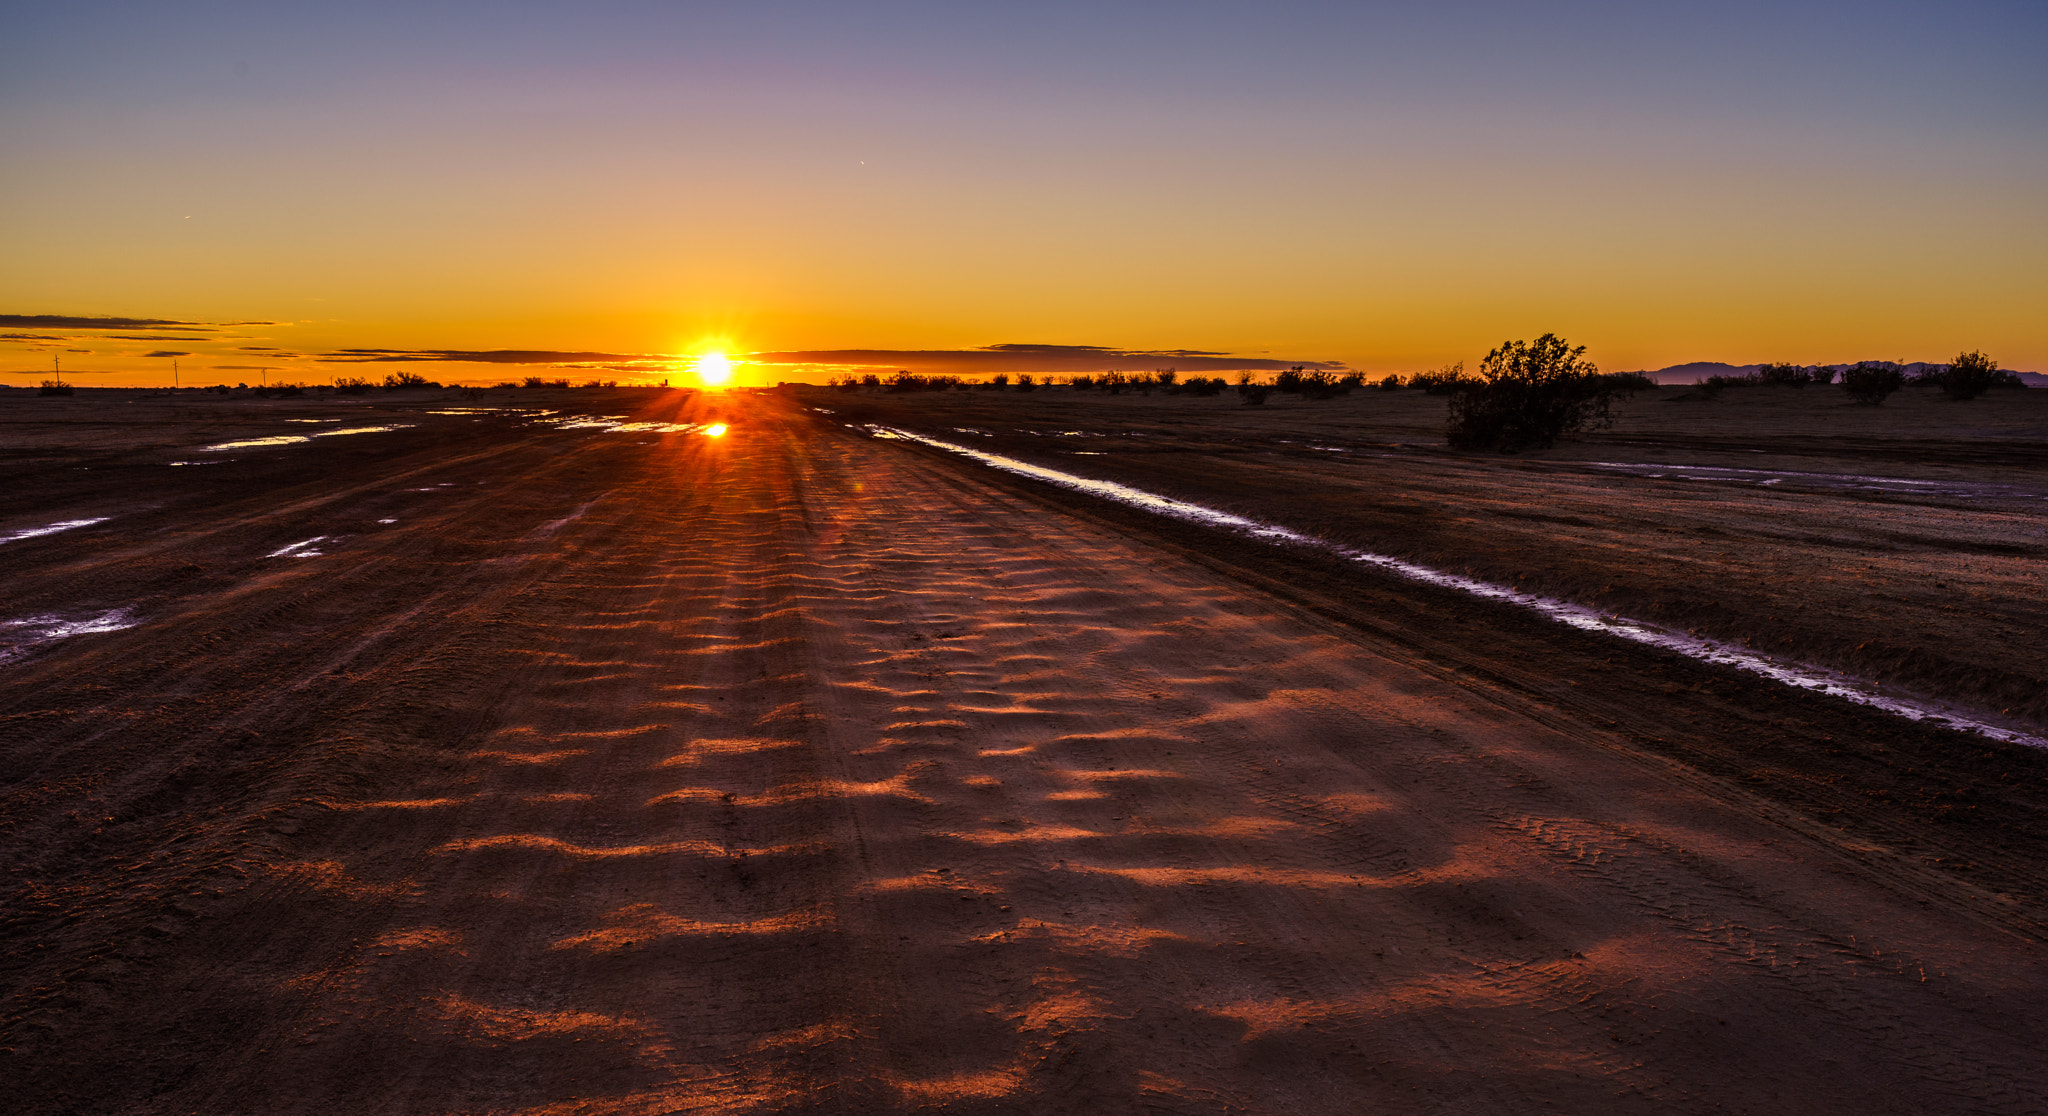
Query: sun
(713, 369)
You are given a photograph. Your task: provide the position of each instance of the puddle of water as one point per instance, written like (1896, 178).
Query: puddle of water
(250, 443)
(362, 430)
(314, 420)
(215, 461)
(307, 549)
(294, 439)
(19, 637)
(616, 424)
(50, 529)
(387, 521)
(1804, 677)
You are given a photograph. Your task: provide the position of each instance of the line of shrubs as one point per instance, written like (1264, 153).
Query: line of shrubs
(1968, 376)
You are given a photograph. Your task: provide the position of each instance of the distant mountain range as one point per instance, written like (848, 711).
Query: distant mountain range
(1700, 369)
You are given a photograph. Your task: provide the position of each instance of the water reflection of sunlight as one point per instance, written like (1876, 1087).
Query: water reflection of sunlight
(715, 430)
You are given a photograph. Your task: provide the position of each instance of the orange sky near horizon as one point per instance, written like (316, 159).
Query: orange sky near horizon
(1373, 187)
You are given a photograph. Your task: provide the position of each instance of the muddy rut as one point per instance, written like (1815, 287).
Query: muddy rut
(794, 771)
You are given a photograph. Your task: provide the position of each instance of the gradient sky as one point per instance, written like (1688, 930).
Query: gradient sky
(1390, 186)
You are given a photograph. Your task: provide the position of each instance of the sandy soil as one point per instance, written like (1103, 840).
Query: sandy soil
(791, 770)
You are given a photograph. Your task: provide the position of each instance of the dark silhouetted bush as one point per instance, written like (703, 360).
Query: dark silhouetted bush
(1532, 394)
(1969, 375)
(398, 380)
(1389, 382)
(54, 387)
(351, 385)
(1869, 383)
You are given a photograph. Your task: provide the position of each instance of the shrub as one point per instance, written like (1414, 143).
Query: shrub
(1630, 381)
(1113, 382)
(398, 380)
(1442, 381)
(1026, 383)
(351, 385)
(1389, 382)
(54, 387)
(1081, 383)
(1164, 377)
(1869, 383)
(1969, 375)
(1533, 394)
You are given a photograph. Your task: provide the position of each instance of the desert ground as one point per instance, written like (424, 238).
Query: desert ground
(416, 753)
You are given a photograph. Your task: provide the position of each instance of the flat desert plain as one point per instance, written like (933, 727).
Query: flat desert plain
(553, 752)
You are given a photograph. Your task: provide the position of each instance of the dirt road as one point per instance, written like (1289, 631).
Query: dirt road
(574, 770)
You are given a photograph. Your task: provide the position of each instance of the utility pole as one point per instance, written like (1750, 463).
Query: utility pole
(174, 375)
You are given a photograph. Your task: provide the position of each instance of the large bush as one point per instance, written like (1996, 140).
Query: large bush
(1970, 375)
(1869, 383)
(1529, 395)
